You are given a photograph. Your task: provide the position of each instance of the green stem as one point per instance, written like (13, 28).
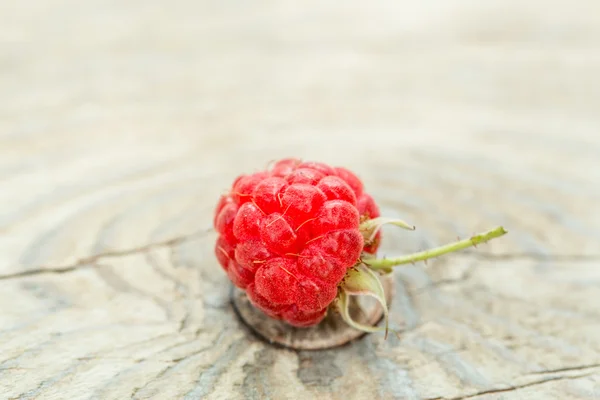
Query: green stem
(385, 264)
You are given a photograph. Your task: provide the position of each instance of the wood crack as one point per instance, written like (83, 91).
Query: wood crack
(514, 388)
(90, 261)
(567, 369)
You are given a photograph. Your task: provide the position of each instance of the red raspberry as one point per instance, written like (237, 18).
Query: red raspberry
(289, 235)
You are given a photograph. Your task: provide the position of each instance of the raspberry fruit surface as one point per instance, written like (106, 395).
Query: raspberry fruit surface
(288, 236)
(301, 237)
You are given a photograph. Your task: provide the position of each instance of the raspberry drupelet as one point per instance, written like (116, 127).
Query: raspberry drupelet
(289, 236)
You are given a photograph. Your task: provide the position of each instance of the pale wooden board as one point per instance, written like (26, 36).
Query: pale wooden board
(122, 122)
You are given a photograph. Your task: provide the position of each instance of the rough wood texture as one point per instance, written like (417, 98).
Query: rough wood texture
(122, 121)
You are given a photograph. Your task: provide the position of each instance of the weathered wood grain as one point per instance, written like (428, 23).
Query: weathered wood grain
(121, 123)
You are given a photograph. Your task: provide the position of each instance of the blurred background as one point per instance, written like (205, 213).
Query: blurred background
(450, 102)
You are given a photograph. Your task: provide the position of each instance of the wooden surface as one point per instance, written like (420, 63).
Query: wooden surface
(122, 121)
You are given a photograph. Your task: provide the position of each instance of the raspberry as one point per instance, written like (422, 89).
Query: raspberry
(300, 235)
(289, 235)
